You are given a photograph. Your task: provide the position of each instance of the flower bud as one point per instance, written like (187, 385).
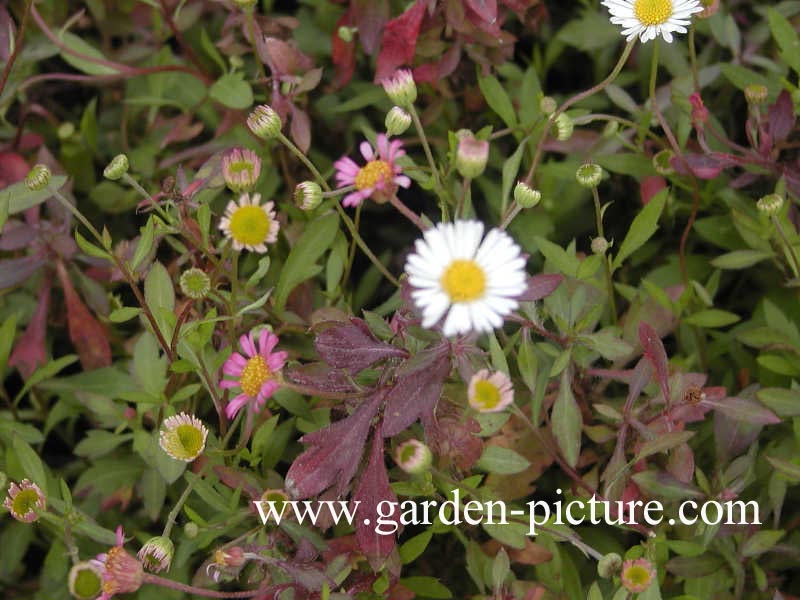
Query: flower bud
(609, 565)
(38, 178)
(562, 128)
(397, 121)
(307, 195)
(156, 554)
(611, 129)
(241, 168)
(662, 162)
(345, 33)
(66, 130)
(525, 196)
(401, 88)
(637, 575)
(589, 175)
(264, 122)
(770, 204)
(413, 457)
(700, 114)
(600, 245)
(85, 580)
(756, 93)
(548, 105)
(25, 501)
(472, 155)
(116, 168)
(195, 284)
(190, 530)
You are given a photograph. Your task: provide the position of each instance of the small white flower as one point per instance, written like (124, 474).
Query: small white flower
(473, 280)
(183, 437)
(651, 18)
(249, 224)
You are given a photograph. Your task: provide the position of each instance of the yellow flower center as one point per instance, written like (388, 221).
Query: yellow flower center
(191, 438)
(254, 375)
(653, 12)
(487, 396)
(24, 502)
(464, 281)
(250, 225)
(373, 172)
(637, 577)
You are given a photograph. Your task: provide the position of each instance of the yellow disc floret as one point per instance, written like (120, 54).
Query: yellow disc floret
(191, 439)
(254, 375)
(250, 225)
(464, 281)
(653, 12)
(487, 396)
(372, 173)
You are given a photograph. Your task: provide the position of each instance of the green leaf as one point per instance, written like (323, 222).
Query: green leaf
(414, 547)
(511, 534)
(608, 344)
(45, 372)
(760, 542)
(497, 99)
(124, 313)
(90, 248)
(712, 318)
(510, 170)
(145, 245)
(784, 402)
(30, 462)
(502, 461)
(786, 36)
(233, 91)
(789, 470)
(73, 42)
(301, 262)
(426, 587)
(7, 332)
(159, 294)
(740, 259)
(567, 421)
(99, 442)
(17, 197)
(643, 227)
(663, 443)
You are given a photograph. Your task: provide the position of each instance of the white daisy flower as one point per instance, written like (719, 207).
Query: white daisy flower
(474, 280)
(183, 437)
(651, 18)
(248, 224)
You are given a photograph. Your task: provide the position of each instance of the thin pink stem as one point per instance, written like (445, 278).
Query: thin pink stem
(195, 591)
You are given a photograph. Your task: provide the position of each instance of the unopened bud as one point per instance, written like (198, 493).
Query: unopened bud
(600, 245)
(65, 130)
(397, 121)
(589, 175)
(563, 127)
(413, 457)
(117, 168)
(770, 204)
(401, 88)
(609, 565)
(756, 93)
(472, 155)
(156, 554)
(38, 178)
(662, 162)
(241, 168)
(525, 196)
(190, 530)
(307, 195)
(345, 33)
(548, 105)
(611, 129)
(264, 122)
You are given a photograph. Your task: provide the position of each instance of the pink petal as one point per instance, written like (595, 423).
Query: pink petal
(276, 361)
(268, 389)
(235, 405)
(267, 342)
(246, 342)
(229, 368)
(346, 166)
(383, 147)
(226, 384)
(238, 359)
(367, 151)
(120, 535)
(355, 198)
(402, 181)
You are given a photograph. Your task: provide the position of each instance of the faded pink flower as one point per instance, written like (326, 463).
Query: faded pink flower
(24, 501)
(256, 372)
(637, 575)
(490, 393)
(122, 573)
(379, 178)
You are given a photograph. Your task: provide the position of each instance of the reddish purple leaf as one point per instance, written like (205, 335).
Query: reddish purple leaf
(370, 17)
(541, 286)
(416, 391)
(781, 117)
(334, 453)
(456, 439)
(649, 186)
(86, 333)
(374, 489)
(343, 54)
(319, 376)
(352, 346)
(702, 166)
(13, 167)
(654, 352)
(399, 41)
(29, 352)
(14, 271)
(681, 463)
(300, 129)
(747, 411)
(485, 9)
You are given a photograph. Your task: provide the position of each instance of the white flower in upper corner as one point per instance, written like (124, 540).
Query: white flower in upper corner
(651, 18)
(250, 225)
(472, 280)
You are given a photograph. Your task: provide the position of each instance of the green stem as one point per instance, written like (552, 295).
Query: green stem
(425, 146)
(795, 264)
(598, 215)
(143, 192)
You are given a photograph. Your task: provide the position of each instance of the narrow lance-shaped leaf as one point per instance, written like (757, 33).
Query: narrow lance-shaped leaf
(567, 421)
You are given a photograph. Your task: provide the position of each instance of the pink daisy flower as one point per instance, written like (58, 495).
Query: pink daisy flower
(255, 373)
(379, 178)
(121, 572)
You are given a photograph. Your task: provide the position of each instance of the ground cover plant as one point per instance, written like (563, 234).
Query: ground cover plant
(518, 252)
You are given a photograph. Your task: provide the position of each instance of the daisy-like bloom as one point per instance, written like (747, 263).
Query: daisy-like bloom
(255, 373)
(24, 501)
(121, 572)
(651, 18)
(473, 281)
(241, 168)
(637, 575)
(183, 437)
(156, 554)
(379, 178)
(413, 457)
(249, 224)
(489, 393)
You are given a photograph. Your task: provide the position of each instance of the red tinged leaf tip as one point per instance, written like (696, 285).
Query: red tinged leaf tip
(86, 333)
(29, 352)
(654, 351)
(650, 186)
(781, 117)
(399, 41)
(374, 534)
(541, 286)
(352, 346)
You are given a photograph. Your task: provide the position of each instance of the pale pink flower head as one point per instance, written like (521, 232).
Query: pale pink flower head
(24, 501)
(490, 392)
(122, 573)
(378, 178)
(256, 372)
(241, 168)
(637, 575)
